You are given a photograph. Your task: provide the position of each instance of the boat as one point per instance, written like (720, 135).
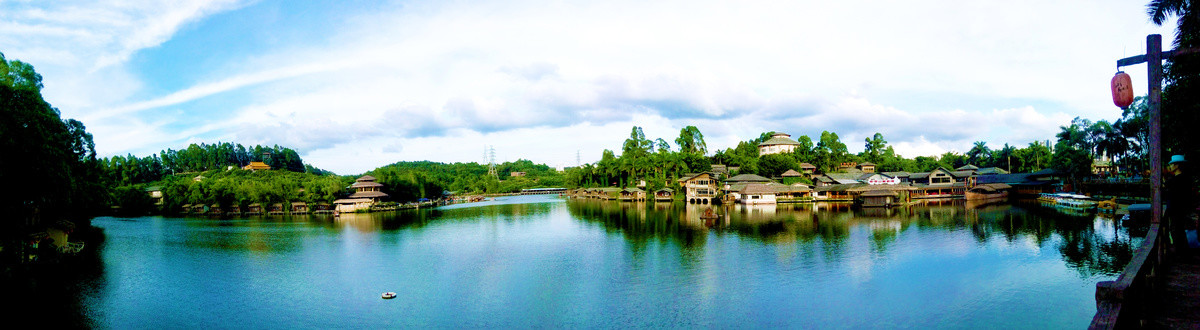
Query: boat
(987, 191)
(1068, 201)
(389, 295)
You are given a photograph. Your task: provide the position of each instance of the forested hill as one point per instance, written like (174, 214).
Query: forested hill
(416, 179)
(130, 169)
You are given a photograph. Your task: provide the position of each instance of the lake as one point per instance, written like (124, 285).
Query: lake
(542, 261)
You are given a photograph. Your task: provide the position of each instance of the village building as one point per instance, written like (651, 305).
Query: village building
(664, 195)
(633, 195)
(794, 193)
(516, 174)
(366, 193)
(903, 176)
(778, 143)
(699, 187)
(254, 166)
(299, 207)
(939, 183)
(808, 169)
(791, 174)
(848, 167)
(756, 193)
(867, 167)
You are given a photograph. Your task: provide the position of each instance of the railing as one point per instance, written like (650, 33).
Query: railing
(1120, 303)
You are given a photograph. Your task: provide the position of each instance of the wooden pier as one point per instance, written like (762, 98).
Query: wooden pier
(1159, 288)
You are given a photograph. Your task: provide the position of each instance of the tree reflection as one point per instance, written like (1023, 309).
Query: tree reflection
(828, 226)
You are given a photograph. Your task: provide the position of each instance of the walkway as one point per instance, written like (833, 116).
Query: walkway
(1177, 304)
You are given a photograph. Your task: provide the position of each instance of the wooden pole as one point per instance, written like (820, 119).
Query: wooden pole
(1154, 74)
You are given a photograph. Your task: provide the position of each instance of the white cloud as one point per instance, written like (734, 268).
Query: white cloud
(438, 80)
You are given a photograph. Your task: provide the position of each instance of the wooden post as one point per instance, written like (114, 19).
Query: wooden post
(1154, 75)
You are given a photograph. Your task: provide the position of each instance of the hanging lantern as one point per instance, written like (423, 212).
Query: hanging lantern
(1122, 90)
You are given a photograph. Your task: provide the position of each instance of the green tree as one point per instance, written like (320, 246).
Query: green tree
(980, 154)
(690, 140)
(874, 148)
(1181, 93)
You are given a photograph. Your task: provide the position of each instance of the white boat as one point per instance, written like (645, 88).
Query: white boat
(1068, 201)
(389, 295)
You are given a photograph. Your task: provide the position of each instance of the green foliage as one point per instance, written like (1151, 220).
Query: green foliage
(775, 164)
(49, 164)
(238, 187)
(129, 169)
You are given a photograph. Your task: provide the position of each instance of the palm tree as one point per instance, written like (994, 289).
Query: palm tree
(978, 154)
(1181, 93)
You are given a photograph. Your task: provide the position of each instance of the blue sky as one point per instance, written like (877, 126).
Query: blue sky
(353, 85)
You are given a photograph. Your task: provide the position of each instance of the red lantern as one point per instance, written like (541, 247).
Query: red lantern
(1122, 90)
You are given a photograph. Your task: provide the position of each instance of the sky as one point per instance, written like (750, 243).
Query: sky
(355, 85)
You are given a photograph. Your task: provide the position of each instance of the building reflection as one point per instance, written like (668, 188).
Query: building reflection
(828, 226)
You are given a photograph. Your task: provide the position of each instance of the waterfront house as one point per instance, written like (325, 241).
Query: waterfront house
(276, 208)
(699, 187)
(1025, 185)
(735, 185)
(353, 204)
(756, 193)
(664, 195)
(187, 208)
(939, 183)
(254, 208)
(778, 143)
(366, 187)
(255, 166)
(215, 209)
(798, 192)
(299, 207)
(632, 194)
(878, 198)
(323, 207)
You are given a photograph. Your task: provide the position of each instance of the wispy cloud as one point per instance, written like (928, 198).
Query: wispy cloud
(544, 80)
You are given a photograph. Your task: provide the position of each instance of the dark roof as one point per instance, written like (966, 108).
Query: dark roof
(807, 165)
(918, 175)
(778, 140)
(368, 194)
(991, 170)
(878, 193)
(967, 167)
(866, 164)
(747, 178)
(757, 188)
(900, 174)
(961, 174)
(1045, 172)
(358, 184)
(1003, 178)
(689, 176)
(365, 178)
(791, 173)
(665, 190)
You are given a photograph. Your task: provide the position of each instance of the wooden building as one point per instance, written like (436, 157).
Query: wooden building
(255, 166)
(299, 207)
(699, 188)
(664, 195)
(778, 143)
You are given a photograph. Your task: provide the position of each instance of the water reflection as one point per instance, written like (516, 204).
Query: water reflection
(1091, 245)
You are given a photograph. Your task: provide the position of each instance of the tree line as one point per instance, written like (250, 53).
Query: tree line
(130, 169)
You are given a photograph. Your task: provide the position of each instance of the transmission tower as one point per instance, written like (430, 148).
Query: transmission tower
(492, 162)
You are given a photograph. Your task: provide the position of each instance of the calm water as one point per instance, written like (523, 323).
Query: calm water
(545, 262)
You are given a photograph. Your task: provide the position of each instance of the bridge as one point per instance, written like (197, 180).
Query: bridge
(1159, 288)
